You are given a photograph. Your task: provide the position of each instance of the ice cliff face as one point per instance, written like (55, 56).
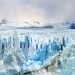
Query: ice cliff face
(30, 51)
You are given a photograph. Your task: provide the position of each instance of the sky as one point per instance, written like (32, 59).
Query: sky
(44, 11)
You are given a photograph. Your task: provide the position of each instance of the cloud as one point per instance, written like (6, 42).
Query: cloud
(55, 10)
(41, 10)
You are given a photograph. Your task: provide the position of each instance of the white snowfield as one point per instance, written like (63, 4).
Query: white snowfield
(23, 51)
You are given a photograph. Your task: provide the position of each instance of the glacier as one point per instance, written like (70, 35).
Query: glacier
(23, 51)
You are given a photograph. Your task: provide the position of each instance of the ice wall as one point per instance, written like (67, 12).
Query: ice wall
(22, 52)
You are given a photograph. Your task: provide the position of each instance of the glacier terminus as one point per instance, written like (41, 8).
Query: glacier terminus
(23, 51)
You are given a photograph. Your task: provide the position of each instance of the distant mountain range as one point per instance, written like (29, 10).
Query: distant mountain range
(36, 24)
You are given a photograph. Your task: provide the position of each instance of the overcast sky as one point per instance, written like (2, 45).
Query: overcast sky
(44, 11)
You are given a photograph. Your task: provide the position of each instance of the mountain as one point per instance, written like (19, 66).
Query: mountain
(72, 25)
(4, 23)
(47, 25)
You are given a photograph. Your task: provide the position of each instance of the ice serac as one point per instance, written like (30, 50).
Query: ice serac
(43, 54)
(55, 45)
(26, 47)
(15, 40)
(1, 51)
